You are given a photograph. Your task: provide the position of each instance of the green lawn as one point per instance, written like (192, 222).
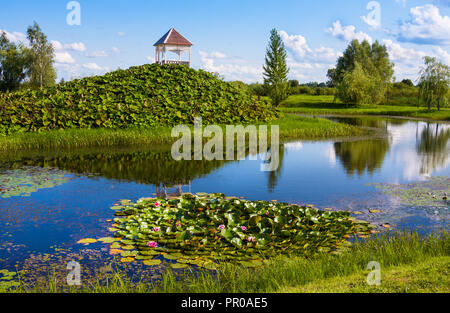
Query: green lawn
(429, 276)
(291, 127)
(306, 104)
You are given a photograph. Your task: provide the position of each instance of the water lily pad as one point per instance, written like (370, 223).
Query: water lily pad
(87, 241)
(115, 251)
(152, 262)
(106, 240)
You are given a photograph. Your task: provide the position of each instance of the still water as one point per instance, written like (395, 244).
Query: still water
(56, 198)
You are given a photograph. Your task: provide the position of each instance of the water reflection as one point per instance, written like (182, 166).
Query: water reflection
(433, 147)
(358, 156)
(148, 167)
(273, 176)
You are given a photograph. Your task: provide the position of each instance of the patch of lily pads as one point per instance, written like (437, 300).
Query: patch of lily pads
(24, 181)
(433, 193)
(204, 229)
(7, 281)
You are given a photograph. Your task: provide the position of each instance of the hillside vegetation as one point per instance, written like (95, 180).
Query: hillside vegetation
(142, 96)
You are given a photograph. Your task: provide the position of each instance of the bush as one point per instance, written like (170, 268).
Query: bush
(258, 89)
(144, 96)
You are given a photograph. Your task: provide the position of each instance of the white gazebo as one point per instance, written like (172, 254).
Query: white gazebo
(174, 42)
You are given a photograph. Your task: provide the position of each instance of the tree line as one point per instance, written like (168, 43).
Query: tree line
(364, 74)
(30, 65)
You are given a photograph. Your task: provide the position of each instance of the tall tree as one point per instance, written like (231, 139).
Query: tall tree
(373, 66)
(434, 83)
(42, 72)
(14, 61)
(275, 69)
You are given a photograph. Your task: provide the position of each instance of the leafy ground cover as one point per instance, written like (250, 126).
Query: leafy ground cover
(202, 229)
(307, 104)
(141, 96)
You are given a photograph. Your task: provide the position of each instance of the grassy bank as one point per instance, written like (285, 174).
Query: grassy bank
(291, 127)
(306, 104)
(409, 263)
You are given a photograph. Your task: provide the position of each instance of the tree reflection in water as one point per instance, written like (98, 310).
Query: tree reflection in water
(433, 147)
(359, 156)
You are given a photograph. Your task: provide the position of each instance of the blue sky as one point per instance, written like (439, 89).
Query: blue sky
(230, 37)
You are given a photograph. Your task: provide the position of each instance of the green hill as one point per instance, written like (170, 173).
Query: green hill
(141, 96)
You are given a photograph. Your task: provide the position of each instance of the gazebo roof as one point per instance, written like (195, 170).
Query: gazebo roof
(172, 37)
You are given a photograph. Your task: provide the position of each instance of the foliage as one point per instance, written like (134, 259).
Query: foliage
(356, 87)
(143, 96)
(363, 74)
(275, 69)
(305, 89)
(42, 72)
(258, 89)
(199, 229)
(14, 64)
(434, 83)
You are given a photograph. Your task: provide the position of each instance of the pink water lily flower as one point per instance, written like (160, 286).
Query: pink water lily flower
(222, 227)
(251, 239)
(156, 229)
(243, 228)
(178, 224)
(152, 244)
(156, 204)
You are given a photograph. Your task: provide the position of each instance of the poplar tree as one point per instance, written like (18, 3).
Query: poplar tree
(275, 69)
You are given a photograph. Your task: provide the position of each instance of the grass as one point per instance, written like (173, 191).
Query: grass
(306, 104)
(291, 127)
(409, 263)
(430, 276)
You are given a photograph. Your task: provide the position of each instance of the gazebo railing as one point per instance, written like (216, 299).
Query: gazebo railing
(174, 62)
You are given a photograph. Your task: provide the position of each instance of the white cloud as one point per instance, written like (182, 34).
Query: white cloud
(306, 63)
(57, 45)
(347, 33)
(295, 43)
(443, 55)
(121, 34)
(425, 26)
(218, 55)
(92, 66)
(15, 37)
(75, 46)
(231, 71)
(399, 53)
(64, 58)
(298, 47)
(150, 59)
(115, 50)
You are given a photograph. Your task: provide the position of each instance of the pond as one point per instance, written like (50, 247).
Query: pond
(50, 200)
